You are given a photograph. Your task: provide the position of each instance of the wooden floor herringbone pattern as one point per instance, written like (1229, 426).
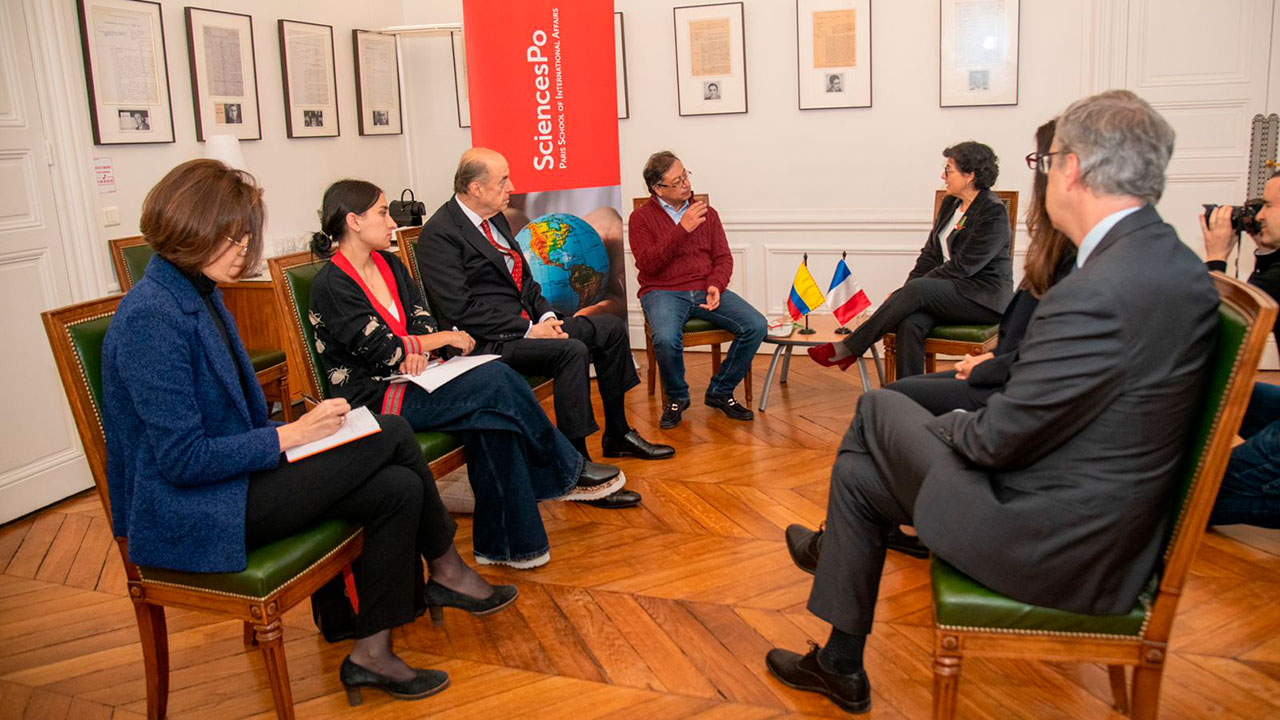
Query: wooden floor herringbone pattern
(665, 611)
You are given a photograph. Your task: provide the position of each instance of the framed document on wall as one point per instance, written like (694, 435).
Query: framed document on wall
(125, 71)
(377, 82)
(224, 74)
(620, 66)
(833, 39)
(309, 78)
(461, 95)
(979, 52)
(711, 70)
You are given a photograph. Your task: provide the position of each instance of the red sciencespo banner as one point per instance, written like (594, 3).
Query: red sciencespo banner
(542, 84)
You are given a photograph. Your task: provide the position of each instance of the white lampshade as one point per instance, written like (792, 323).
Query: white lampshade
(227, 149)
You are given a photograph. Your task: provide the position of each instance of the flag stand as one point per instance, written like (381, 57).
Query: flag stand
(806, 330)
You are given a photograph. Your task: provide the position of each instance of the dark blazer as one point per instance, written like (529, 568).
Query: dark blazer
(1265, 277)
(980, 262)
(356, 346)
(1013, 326)
(468, 280)
(1058, 493)
(182, 433)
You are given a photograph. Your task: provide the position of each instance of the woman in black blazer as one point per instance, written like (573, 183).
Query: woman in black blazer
(963, 275)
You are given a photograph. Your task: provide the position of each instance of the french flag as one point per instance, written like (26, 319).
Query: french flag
(845, 298)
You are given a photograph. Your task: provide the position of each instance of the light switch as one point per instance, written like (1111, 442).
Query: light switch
(110, 216)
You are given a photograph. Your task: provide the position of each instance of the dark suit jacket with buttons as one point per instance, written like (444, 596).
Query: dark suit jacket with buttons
(1058, 492)
(980, 262)
(467, 280)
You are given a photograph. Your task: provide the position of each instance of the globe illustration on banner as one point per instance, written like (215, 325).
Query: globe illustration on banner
(567, 259)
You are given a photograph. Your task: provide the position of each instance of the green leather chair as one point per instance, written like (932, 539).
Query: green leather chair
(130, 256)
(278, 575)
(955, 339)
(974, 621)
(292, 276)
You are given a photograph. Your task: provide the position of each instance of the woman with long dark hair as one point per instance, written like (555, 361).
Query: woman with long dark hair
(193, 463)
(372, 324)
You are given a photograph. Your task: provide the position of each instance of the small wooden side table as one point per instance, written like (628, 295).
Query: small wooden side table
(825, 325)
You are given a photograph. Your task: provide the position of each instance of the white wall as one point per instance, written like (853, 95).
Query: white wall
(294, 172)
(787, 181)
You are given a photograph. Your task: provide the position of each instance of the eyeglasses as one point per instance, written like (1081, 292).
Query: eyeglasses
(680, 181)
(1040, 161)
(242, 244)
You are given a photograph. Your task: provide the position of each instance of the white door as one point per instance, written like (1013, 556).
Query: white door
(40, 456)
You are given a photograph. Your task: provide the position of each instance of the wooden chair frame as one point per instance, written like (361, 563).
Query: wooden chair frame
(714, 338)
(1146, 652)
(274, 379)
(261, 615)
(442, 465)
(933, 347)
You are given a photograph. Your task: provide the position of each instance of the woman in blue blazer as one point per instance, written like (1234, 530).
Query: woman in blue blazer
(193, 462)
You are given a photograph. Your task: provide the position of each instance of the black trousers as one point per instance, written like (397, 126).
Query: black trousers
(910, 313)
(598, 339)
(941, 392)
(879, 468)
(382, 482)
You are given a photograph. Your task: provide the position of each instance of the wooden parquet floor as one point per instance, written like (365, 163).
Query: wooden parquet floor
(665, 611)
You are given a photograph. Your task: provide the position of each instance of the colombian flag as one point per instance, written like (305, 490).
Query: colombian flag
(805, 295)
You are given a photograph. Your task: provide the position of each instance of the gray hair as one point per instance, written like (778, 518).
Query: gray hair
(1123, 144)
(469, 170)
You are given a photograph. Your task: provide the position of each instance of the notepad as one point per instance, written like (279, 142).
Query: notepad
(438, 373)
(359, 423)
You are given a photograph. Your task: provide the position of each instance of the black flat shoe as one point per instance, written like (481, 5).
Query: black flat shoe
(424, 684)
(730, 407)
(440, 597)
(635, 446)
(804, 545)
(851, 693)
(671, 413)
(906, 544)
(618, 500)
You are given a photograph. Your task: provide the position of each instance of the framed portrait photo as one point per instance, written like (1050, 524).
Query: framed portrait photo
(711, 70)
(979, 52)
(309, 78)
(833, 39)
(125, 70)
(377, 82)
(461, 94)
(224, 74)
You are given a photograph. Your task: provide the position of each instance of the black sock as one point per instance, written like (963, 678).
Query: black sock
(615, 416)
(580, 444)
(843, 652)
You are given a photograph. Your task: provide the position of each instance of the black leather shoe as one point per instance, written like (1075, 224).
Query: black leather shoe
(635, 446)
(424, 684)
(439, 597)
(671, 413)
(906, 544)
(851, 693)
(596, 481)
(620, 499)
(804, 545)
(730, 407)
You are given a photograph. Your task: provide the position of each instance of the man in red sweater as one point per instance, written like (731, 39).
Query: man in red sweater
(684, 264)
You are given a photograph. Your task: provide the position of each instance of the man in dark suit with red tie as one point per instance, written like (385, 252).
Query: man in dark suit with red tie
(478, 279)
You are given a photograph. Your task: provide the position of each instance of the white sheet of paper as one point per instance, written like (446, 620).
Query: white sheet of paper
(359, 423)
(439, 373)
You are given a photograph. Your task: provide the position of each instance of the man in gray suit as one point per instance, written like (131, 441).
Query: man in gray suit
(1057, 493)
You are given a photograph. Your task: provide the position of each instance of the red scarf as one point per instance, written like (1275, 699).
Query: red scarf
(393, 398)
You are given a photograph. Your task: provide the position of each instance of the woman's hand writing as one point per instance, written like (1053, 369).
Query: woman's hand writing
(322, 420)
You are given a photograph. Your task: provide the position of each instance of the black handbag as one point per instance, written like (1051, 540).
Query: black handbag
(407, 212)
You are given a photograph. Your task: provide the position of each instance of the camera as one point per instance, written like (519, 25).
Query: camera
(1244, 218)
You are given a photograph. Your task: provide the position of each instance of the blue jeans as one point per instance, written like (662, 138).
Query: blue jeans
(1250, 492)
(668, 310)
(515, 456)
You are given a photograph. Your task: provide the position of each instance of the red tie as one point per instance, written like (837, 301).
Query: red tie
(517, 262)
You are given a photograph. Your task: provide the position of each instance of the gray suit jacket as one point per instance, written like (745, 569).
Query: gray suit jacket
(1059, 493)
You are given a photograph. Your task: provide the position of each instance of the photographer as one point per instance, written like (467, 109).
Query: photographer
(1250, 491)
